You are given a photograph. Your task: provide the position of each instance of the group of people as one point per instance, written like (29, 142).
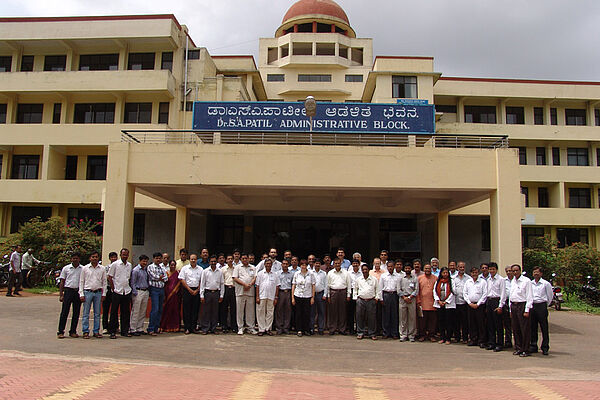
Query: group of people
(229, 293)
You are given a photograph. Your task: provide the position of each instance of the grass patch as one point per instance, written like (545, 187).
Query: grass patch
(42, 289)
(574, 303)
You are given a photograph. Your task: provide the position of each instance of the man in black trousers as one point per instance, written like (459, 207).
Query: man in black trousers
(69, 296)
(119, 275)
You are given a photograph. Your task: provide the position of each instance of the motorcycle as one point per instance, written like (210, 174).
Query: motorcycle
(590, 294)
(557, 297)
(4, 271)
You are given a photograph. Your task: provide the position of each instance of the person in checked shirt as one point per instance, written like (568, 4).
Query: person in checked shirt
(157, 276)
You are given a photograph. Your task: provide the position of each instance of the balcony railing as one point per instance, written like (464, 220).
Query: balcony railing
(315, 138)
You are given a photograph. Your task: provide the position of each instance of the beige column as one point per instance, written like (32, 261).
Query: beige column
(220, 87)
(443, 238)
(501, 111)
(45, 162)
(505, 210)
(590, 113)
(595, 231)
(118, 205)
(460, 110)
(182, 220)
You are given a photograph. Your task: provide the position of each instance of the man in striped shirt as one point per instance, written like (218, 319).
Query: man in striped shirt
(157, 276)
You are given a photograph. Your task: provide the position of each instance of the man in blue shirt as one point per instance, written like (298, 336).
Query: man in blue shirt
(341, 255)
(139, 296)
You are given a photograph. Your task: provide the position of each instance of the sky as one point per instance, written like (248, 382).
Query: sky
(534, 39)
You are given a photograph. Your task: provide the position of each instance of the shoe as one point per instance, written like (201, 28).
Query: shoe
(241, 331)
(9, 295)
(421, 339)
(153, 334)
(441, 342)
(204, 332)
(74, 335)
(516, 353)
(321, 333)
(489, 348)
(508, 345)
(98, 335)
(18, 294)
(545, 352)
(308, 333)
(86, 335)
(373, 337)
(412, 340)
(497, 349)
(482, 346)
(270, 333)
(432, 339)
(299, 334)
(186, 332)
(359, 337)
(448, 342)
(395, 338)
(279, 332)
(471, 344)
(113, 336)
(60, 335)
(105, 331)
(342, 333)
(331, 333)
(144, 333)
(253, 331)
(260, 334)
(523, 354)
(404, 339)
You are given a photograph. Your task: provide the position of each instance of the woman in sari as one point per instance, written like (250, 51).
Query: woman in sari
(171, 315)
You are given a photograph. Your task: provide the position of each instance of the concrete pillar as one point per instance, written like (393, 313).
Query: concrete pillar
(45, 162)
(442, 238)
(220, 87)
(595, 233)
(460, 109)
(590, 113)
(505, 211)
(373, 240)
(502, 111)
(248, 237)
(119, 201)
(182, 219)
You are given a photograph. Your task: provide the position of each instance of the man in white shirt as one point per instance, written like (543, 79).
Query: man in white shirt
(227, 312)
(112, 257)
(461, 332)
(190, 277)
(27, 263)
(388, 285)
(317, 310)
(521, 302)
(283, 309)
(244, 277)
(475, 294)
(496, 296)
(506, 309)
(408, 289)
(14, 270)
(338, 288)
(367, 291)
(354, 272)
(276, 267)
(212, 289)
(118, 277)
(267, 293)
(542, 298)
(69, 296)
(452, 269)
(92, 289)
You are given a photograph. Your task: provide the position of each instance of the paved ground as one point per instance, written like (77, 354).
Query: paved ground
(34, 364)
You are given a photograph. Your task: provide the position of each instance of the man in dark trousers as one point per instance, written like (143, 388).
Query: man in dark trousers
(119, 275)
(212, 289)
(542, 297)
(475, 294)
(521, 302)
(69, 296)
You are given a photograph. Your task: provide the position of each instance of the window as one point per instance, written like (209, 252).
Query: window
(301, 49)
(193, 54)
(94, 113)
(55, 63)
(325, 49)
(20, 215)
(553, 117)
(515, 115)
(138, 61)
(25, 167)
(139, 229)
(538, 115)
(96, 168)
(354, 78)
(99, 62)
(577, 157)
(525, 191)
(480, 114)
(574, 116)
(597, 117)
(522, 156)
(230, 230)
(71, 168)
(579, 198)
(189, 106)
(30, 113)
(597, 153)
(2, 113)
(404, 87)
(343, 51)
(285, 50)
(568, 236)
(275, 77)
(555, 156)
(27, 63)
(92, 214)
(540, 156)
(357, 56)
(163, 113)
(445, 109)
(56, 113)
(543, 197)
(313, 78)
(5, 63)
(1, 160)
(485, 235)
(166, 61)
(530, 235)
(138, 113)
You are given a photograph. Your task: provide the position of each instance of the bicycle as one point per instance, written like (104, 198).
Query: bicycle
(37, 277)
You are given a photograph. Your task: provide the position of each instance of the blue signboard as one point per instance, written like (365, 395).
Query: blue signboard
(330, 117)
(412, 102)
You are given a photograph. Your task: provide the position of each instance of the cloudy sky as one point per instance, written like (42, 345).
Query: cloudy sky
(539, 39)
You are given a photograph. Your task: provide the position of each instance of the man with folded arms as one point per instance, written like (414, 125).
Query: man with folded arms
(267, 293)
(367, 295)
(521, 302)
(244, 277)
(388, 284)
(408, 289)
(339, 288)
(92, 287)
(212, 289)
(317, 310)
(461, 327)
(542, 298)
(475, 294)
(283, 309)
(69, 296)
(496, 293)
(425, 301)
(119, 275)
(190, 277)
(354, 272)
(227, 307)
(139, 296)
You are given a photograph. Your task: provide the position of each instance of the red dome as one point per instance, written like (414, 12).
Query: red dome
(321, 7)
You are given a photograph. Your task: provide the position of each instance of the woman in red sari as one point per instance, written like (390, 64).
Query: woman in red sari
(171, 315)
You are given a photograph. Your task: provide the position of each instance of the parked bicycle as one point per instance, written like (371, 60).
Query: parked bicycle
(43, 277)
(4, 271)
